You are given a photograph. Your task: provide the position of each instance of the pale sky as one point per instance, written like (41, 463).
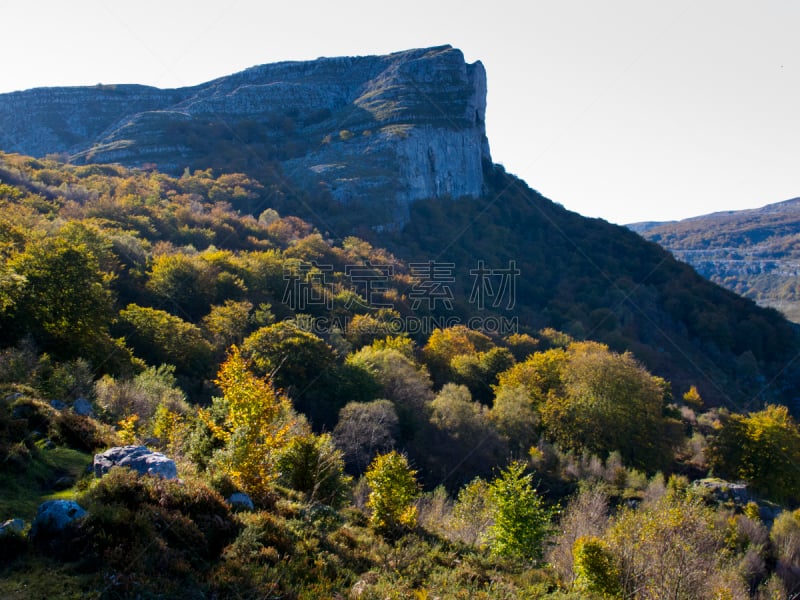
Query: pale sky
(629, 110)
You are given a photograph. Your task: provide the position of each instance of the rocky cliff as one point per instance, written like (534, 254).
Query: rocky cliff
(381, 129)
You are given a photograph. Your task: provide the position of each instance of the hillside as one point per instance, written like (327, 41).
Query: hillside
(394, 149)
(385, 449)
(292, 334)
(752, 252)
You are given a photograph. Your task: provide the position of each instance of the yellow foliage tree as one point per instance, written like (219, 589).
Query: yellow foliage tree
(259, 423)
(394, 487)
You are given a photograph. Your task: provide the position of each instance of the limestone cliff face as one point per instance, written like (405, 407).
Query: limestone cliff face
(385, 129)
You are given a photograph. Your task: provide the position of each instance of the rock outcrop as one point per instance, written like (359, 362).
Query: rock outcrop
(138, 458)
(82, 407)
(239, 501)
(384, 129)
(54, 516)
(12, 527)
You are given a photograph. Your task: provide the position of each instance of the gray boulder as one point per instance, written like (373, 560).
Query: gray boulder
(82, 407)
(240, 502)
(724, 491)
(12, 526)
(138, 458)
(54, 516)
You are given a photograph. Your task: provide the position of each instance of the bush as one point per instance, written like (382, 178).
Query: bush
(170, 524)
(595, 569)
(13, 545)
(313, 465)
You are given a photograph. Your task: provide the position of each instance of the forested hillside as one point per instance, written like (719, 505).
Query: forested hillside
(407, 422)
(752, 252)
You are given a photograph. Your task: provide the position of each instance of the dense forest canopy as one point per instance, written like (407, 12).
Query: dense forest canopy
(510, 406)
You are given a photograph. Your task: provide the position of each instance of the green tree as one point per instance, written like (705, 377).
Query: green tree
(515, 418)
(185, 284)
(313, 465)
(61, 295)
(762, 448)
(521, 519)
(479, 371)
(400, 380)
(393, 488)
(292, 356)
(608, 402)
(301, 364)
(160, 337)
(595, 569)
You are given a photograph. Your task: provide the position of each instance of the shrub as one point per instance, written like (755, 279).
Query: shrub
(595, 569)
(312, 464)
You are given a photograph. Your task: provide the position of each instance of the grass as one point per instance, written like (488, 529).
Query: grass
(23, 489)
(38, 578)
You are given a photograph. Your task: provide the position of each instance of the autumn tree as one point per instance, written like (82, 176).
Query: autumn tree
(446, 344)
(258, 425)
(393, 488)
(538, 375)
(608, 402)
(227, 324)
(668, 549)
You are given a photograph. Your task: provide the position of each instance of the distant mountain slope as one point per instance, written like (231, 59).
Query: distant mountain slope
(754, 252)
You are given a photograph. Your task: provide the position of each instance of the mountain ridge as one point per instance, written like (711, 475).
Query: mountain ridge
(331, 125)
(752, 252)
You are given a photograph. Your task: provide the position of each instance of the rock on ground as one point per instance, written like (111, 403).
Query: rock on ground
(138, 458)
